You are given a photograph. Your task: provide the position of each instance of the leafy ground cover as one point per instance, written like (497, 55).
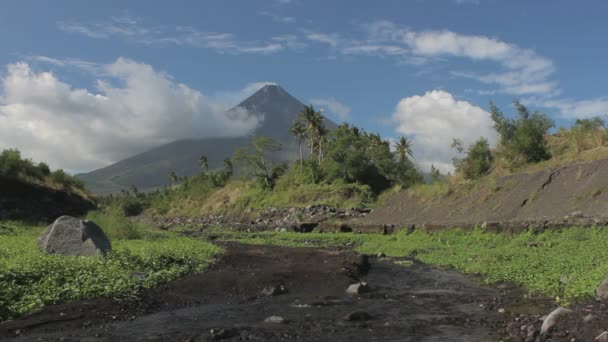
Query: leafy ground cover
(30, 279)
(567, 264)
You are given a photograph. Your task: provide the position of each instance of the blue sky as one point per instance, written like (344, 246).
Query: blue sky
(85, 84)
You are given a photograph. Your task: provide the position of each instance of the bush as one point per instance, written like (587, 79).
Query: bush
(522, 138)
(477, 162)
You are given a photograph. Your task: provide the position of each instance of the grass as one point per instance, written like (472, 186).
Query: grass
(30, 279)
(567, 264)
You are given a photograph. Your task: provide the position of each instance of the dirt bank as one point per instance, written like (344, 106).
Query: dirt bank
(574, 194)
(24, 201)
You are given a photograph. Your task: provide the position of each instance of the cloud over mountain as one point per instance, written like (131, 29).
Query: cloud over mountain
(134, 107)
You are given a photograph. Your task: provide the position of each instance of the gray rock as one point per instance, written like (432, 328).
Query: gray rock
(275, 320)
(589, 318)
(603, 337)
(358, 288)
(554, 318)
(357, 316)
(71, 236)
(273, 290)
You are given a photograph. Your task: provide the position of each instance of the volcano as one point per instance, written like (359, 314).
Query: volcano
(275, 108)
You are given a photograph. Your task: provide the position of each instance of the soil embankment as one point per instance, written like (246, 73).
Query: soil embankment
(25, 201)
(571, 195)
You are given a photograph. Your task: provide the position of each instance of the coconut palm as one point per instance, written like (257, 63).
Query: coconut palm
(299, 132)
(404, 148)
(228, 168)
(203, 162)
(173, 177)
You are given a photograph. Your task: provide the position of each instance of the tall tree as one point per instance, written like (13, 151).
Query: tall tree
(315, 129)
(173, 177)
(228, 168)
(404, 149)
(203, 162)
(299, 132)
(255, 160)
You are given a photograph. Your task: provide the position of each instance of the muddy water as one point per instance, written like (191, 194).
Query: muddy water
(415, 303)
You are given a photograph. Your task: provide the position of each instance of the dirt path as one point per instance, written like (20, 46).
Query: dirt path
(416, 303)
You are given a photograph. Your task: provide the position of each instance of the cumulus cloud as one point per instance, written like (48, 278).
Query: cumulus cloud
(434, 119)
(340, 110)
(133, 109)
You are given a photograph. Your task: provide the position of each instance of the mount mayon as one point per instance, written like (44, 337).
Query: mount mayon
(277, 110)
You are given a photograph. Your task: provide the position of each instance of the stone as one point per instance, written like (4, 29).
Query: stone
(357, 288)
(589, 318)
(576, 214)
(603, 337)
(602, 291)
(222, 334)
(357, 316)
(273, 290)
(275, 320)
(72, 236)
(554, 318)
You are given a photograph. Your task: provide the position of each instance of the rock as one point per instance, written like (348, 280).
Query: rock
(273, 290)
(554, 318)
(501, 310)
(363, 264)
(275, 320)
(576, 214)
(71, 236)
(357, 316)
(603, 337)
(222, 334)
(589, 318)
(602, 291)
(358, 288)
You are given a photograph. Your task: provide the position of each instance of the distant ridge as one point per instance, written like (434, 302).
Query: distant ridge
(150, 169)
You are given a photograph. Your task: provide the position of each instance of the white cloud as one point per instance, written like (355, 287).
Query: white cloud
(133, 109)
(520, 71)
(329, 39)
(341, 110)
(573, 109)
(279, 19)
(133, 30)
(434, 119)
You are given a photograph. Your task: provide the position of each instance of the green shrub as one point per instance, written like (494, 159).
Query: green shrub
(523, 138)
(477, 162)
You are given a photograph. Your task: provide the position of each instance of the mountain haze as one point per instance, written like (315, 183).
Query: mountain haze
(277, 110)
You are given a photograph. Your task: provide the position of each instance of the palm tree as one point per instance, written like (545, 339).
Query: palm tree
(299, 132)
(228, 168)
(310, 118)
(404, 148)
(203, 163)
(173, 177)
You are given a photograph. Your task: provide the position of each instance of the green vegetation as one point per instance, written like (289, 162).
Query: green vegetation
(567, 264)
(478, 161)
(30, 279)
(14, 166)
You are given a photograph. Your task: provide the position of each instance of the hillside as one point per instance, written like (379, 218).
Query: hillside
(150, 169)
(22, 200)
(553, 197)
